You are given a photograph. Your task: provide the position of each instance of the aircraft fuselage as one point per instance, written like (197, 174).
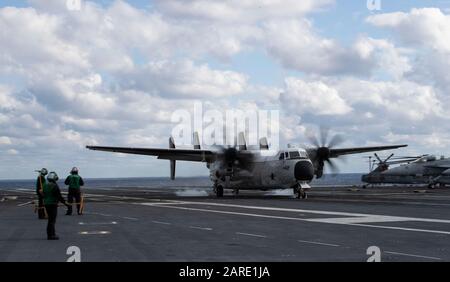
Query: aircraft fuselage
(282, 170)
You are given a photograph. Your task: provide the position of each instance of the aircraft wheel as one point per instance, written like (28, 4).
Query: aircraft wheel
(297, 192)
(219, 191)
(303, 194)
(300, 193)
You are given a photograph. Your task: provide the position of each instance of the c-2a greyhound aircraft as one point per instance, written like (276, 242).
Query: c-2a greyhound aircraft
(240, 167)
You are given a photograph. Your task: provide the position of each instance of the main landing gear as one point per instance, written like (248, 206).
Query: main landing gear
(218, 189)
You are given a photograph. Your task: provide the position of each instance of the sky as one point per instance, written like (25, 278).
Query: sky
(112, 72)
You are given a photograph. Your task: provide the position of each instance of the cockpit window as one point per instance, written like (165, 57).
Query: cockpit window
(295, 155)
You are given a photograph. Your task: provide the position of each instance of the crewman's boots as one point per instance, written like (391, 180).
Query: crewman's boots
(54, 237)
(69, 210)
(41, 212)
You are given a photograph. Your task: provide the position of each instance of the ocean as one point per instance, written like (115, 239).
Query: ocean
(182, 182)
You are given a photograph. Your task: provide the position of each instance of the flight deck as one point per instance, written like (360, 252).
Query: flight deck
(191, 224)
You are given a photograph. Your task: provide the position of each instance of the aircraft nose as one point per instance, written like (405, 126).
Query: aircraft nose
(304, 171)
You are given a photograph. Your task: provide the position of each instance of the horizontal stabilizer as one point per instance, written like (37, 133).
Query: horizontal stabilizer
(263, 144)
(196, 141)
(241, 142)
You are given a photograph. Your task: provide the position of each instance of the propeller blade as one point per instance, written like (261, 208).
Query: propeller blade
(323, 136)
(313, 139)
(321, 154)
(336, 140)
(333, 167)
(231, 156)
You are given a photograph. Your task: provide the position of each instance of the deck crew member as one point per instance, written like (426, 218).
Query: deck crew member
(75, 182)
(52, 195)
(39, 186)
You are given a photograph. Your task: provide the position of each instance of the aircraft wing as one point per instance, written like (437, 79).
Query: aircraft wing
(193, 155)
(334, 153)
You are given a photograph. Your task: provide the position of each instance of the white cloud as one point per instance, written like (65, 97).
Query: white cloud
(385, 55)
(35, 44)
(113, 74)
(184, 79)
(428, 30)
(4, 140)
(12, 152)
(409, 110)
(295, 44)
(313, 98)
(426, 26)
(436, 141)
(240, 10)
(396, 101)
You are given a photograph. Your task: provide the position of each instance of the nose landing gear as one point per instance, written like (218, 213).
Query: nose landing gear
(300, 192)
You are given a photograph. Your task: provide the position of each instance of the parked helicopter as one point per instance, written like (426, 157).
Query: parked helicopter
(424, 169)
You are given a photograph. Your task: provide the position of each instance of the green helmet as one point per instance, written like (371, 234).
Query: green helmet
(43, 171)
(52, 176)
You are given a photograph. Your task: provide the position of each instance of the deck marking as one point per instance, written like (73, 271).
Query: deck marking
(24, 204)
(252, 235)
(364, 219)
(164, 203)
(94, 232)
(130, 218)
(400, 228)
(301, 219)
(362, 215)
(161, 222)
(102, 214)
(318, 243)
(201, 228)
(411, 255)
(98, 223)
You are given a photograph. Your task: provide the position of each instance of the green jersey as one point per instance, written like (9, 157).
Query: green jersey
(74, 181)
(52, 194)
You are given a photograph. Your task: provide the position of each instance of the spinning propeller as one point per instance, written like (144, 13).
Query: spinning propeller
(323, 148)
